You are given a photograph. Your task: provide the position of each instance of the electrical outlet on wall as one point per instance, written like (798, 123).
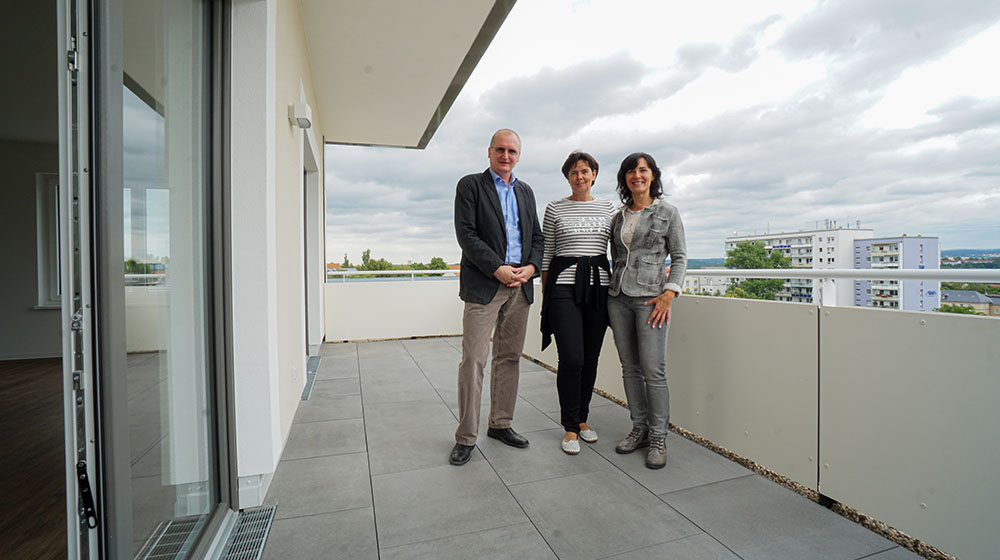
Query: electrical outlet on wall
(295, 373)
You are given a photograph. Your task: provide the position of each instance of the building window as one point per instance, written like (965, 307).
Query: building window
(47, 223)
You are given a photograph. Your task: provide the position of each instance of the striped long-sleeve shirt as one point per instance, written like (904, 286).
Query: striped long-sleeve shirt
(575, 229)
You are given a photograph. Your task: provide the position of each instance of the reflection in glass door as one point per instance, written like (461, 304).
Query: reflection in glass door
(167, 274)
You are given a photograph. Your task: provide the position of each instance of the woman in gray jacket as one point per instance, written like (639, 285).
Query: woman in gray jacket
(643, 232)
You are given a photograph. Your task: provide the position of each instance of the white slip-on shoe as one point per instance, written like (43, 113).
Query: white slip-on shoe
(589, 436)
(571, 447)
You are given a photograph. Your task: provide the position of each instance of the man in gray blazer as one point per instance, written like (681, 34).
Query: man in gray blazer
(496, 223)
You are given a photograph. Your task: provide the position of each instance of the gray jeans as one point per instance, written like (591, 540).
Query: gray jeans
(642, 350)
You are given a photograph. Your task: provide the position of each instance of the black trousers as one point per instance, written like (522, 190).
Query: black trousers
(579, 333)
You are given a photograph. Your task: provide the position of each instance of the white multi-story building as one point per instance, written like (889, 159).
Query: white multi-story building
(704, 284)
(898, 253)
(832, 247)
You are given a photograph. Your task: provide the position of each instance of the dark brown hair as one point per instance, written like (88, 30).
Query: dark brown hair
(580, 156)
(628, 164)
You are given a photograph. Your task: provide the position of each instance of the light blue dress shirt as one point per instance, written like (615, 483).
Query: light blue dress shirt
(511, 218)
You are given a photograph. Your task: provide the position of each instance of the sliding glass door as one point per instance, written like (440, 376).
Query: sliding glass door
(151, 272)
(166, 268)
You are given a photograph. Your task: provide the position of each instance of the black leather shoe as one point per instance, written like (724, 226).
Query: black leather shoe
(508, 436)
(460, 454)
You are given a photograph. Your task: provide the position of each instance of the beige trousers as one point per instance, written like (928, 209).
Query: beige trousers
(506, 317)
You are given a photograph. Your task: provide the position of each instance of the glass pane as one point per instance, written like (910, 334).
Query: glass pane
(165, 223)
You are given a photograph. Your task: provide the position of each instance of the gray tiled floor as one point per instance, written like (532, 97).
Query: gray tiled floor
(365, 474)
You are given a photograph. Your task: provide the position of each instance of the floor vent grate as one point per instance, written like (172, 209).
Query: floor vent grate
(312, 366)
(250, 534)
(171, 539)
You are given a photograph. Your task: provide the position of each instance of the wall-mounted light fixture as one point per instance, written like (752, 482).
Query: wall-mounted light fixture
(300, 115)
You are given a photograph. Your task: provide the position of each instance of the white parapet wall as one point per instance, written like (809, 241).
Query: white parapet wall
(146, 309)
(361, 310)
(908, 423)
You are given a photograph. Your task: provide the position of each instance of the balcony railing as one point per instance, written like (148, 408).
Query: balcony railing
(345, 275)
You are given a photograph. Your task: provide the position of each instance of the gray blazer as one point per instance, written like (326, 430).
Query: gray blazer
(482, 235)
(639, 271)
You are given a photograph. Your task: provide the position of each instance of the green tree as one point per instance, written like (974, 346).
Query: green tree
(750, 255)
(958, 309)
(368, 263)
(133, 267)
(437, 263)
(346, 263)
(735, 291)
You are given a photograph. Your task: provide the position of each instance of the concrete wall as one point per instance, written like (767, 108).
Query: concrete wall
(392, 309)
(25, 332)
(908, 424)
(293, 81)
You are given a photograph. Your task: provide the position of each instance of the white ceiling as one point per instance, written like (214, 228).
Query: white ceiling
(386, 71)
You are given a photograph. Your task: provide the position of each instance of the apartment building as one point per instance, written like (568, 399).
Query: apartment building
(704, 284)
(831, 247)
(898, 253)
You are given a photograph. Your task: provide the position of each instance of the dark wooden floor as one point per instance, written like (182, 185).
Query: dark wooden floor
(32, 469)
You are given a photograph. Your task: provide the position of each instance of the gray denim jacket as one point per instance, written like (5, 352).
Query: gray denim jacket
(638, 270)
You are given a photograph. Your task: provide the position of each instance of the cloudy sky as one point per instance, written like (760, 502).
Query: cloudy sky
(764, 115)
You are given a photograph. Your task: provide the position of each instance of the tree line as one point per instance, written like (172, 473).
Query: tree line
(369, 263)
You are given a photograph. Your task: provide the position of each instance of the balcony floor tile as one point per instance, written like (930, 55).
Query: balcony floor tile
(894, 554)
(543, 459)
(319, 439)
(403, 414)
(696, 547)
(404, 447)
(323, 406)
(595, 515)
(758, 519)
(521, 542)
(337, 386)
(346, 535)
(444, 501)
(320, 485)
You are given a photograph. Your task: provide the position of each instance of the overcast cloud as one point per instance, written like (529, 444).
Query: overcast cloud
(762, 115)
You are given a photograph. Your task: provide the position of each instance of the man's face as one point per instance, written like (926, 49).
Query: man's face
(504, 153)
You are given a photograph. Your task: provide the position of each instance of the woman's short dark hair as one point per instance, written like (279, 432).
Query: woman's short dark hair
(630, 163)
(580, 156)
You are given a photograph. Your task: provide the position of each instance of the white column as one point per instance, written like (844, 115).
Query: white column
(254, 296)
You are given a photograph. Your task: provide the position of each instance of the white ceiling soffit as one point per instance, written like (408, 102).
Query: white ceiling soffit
(386, 72)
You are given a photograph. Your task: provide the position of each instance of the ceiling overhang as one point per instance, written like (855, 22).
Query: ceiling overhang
(385, 72)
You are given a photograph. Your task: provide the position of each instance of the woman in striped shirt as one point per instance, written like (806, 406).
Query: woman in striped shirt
(575, 279)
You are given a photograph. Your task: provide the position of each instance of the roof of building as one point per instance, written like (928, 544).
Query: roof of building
(995, 299)
(963, 296)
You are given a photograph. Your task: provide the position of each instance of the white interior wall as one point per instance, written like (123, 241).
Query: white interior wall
(25, 332)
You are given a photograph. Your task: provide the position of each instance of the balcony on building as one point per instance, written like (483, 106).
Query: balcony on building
(865, 442)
